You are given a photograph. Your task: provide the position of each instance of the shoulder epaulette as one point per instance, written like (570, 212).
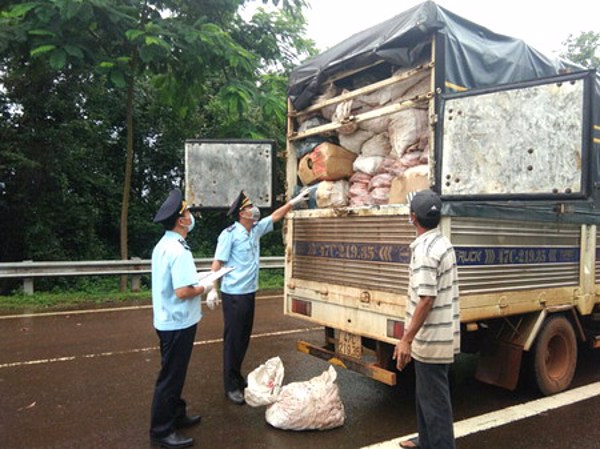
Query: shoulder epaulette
(184, 244)
(231, 228)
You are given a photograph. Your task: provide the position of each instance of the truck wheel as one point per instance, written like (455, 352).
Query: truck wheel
(554, 355)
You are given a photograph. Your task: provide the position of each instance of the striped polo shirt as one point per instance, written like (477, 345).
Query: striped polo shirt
(433, 273)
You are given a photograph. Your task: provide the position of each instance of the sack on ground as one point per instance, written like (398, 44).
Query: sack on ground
(310, 405)
(264, 383)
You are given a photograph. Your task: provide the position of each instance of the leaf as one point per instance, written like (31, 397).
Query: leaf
(41, 50)
(72, 9)
(41, 33)
(106, 65)
(74, 51)
(118, 79)
(153, 40)
(58, 59)
(133, 34)
(20, 10)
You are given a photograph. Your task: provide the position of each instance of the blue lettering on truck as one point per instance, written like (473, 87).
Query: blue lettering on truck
(465, 256)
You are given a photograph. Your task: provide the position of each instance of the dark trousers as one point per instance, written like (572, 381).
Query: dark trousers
(238, 316)
(167, 405)
(434, 408)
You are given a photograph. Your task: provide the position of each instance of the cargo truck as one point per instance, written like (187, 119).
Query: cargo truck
(511, 143)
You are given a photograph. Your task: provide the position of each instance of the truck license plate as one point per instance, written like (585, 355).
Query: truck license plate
(349, 345)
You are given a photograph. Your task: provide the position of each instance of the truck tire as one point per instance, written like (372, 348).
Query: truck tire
(554, 355)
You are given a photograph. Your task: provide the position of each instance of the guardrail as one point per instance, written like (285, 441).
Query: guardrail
(29, 270)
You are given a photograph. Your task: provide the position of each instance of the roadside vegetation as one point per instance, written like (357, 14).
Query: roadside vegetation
(104, 291)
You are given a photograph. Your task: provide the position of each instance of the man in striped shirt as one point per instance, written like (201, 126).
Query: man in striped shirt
(432, 329)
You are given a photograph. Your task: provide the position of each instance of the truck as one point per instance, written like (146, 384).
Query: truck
(509, 138)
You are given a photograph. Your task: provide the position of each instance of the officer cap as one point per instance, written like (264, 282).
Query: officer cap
(238, 204)
(426, 204)
(172, 205)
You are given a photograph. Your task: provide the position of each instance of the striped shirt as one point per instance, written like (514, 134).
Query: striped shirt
(433, 273)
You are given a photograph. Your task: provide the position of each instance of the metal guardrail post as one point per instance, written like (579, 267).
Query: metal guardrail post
(136, 279)
(28, 282)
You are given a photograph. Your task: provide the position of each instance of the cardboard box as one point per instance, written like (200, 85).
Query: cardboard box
(412, 180)
(327, 162)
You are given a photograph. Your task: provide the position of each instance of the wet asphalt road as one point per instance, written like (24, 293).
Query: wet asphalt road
(85, 380)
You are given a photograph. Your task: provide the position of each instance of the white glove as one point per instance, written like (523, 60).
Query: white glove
(302, 196)
(207, 284)
(212, 299)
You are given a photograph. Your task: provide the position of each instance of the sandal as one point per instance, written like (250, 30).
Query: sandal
(412, 443)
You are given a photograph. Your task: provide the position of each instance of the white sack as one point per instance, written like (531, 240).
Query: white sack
(368, 165)
(411, 87)
(376, 125)
(332, 194)
(330, 92)
(406, 127)
(354, 141)
(264, 383)
(311, 405)
(378, 145)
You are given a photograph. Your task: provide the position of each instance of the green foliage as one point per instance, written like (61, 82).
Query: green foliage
(102, 292)
(583, 49)
(65, 65)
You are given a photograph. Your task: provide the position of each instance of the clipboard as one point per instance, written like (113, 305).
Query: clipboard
(212, 276)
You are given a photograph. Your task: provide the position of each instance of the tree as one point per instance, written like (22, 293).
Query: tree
(583, 49)
(175, 69)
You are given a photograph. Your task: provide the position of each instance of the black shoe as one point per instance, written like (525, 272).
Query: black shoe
(188, 421)
(236, 397)
(172, 441)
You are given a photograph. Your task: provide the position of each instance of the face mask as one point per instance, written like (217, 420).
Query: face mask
(192, 224)
(254, 214)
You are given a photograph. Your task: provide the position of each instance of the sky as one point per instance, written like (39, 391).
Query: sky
(543, 24)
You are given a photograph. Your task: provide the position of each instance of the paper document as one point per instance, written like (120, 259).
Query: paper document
(214, 275)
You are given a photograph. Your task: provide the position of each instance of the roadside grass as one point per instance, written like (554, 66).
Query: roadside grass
(101, 292)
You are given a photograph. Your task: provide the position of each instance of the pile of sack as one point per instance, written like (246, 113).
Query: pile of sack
(370, 163)
(310, 405)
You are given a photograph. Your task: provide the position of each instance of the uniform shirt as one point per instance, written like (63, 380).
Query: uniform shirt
(173, 267)
(433, 273)
(240, 249)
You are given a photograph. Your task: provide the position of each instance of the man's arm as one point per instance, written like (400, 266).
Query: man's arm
(402, 350)
(283, 210)
(216, 265)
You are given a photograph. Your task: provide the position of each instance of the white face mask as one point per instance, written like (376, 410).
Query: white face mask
(192, 224)
(254, 214)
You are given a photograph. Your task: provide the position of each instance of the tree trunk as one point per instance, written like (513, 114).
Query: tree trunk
(127, 181)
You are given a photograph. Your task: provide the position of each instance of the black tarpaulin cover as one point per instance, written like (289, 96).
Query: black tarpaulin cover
(473, 55)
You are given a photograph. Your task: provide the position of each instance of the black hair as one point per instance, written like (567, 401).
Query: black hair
(429, 222)
(169, 223)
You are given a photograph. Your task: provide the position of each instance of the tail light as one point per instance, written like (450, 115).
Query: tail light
(395, 329)
(302, 307)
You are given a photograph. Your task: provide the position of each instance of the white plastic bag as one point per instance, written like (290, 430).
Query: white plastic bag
(311, 405)
(264, 383)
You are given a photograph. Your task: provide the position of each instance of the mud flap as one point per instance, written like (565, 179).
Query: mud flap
(499, 364)
(501, 354)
